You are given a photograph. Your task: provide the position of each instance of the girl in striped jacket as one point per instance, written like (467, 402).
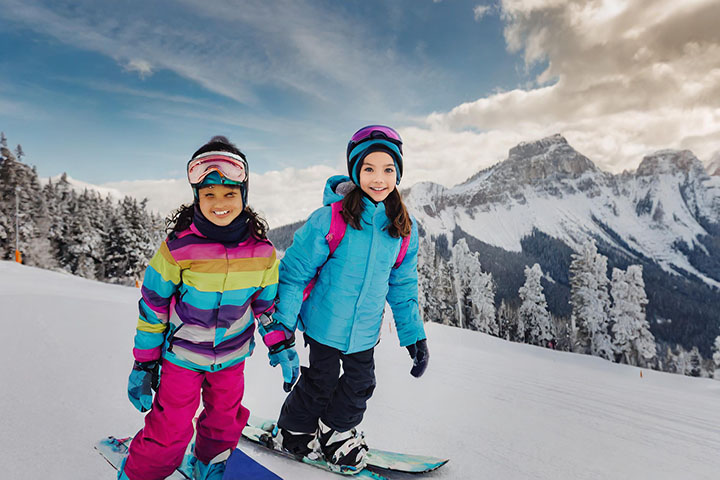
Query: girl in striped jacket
(211, 279)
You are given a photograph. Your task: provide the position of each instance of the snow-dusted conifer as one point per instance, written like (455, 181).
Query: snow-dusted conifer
(590, 302)
(474, 290)
(3, 140)
(84, 249)
(716, 358)
(694, 367)
(633, 342)
(533, 310)
(437, 298)
(506, 319)
(37, 248)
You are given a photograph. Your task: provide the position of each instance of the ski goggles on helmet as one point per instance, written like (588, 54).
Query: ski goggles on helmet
(374, 132)
(231, 166)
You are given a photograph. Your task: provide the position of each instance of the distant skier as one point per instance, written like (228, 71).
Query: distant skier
(342, 316)
(213, 276)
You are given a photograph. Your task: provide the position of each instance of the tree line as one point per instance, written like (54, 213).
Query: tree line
(82, 233)
(607, 316)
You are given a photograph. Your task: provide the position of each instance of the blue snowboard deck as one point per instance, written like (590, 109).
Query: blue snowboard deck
(239, 465)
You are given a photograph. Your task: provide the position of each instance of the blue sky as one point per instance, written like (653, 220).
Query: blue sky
(107, 95)
(119, 94)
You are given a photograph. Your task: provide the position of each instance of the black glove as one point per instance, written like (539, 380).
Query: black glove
(420, 355)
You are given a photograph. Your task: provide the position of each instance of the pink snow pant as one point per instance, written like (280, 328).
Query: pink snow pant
(158, 449)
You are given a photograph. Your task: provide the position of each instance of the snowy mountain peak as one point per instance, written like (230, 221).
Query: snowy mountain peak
(549, 157)
(713, 168)
(670, 162)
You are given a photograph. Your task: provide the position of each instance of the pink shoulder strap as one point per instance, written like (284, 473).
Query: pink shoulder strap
(333, 237)
(403, 250)
(337, 227)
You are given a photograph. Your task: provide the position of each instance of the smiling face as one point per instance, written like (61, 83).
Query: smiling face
(221, 204)
(378, 175)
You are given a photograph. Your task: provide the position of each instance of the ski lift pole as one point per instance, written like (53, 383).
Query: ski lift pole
(18, 255)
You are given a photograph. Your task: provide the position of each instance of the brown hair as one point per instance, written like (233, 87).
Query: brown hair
(400, 222)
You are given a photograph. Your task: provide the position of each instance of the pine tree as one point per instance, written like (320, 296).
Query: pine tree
(506, 319)
(19, 152)
(437, 297)
(533, 310)
(474, 290)
(60, 199)
(37, 247)
(694, 365)
(117, 248)
(716, 358)
(633, 340)
(3, 140)
(84, 248)
(590, 302)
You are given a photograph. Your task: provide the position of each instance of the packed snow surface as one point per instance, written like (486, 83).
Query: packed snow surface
(498, 410)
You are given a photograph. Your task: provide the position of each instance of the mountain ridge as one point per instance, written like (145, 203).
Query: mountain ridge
(665, 215)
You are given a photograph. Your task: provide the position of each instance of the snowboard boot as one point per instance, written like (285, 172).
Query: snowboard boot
(346, 450)
(298, 443)
(213, 470)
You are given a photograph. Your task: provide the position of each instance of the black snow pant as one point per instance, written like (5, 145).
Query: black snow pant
(322, 393)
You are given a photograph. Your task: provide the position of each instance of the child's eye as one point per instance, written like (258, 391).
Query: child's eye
(368, 169)
(389, 170)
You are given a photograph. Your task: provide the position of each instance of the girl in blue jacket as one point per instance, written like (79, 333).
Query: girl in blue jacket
(342, 316)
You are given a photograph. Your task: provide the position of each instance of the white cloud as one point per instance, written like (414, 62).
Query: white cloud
(480, 11)
(622, 79)
(142, 67)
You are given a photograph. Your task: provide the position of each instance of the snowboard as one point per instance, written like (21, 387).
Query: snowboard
(260, 431)
(114, 450)
(239, 466)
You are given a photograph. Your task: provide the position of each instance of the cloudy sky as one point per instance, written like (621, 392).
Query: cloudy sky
(119, 94)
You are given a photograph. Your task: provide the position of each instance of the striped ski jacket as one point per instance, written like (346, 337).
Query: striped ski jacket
(200, 299)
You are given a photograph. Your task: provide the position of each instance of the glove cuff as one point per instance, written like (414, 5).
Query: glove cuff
(276, 336)
(146, 366)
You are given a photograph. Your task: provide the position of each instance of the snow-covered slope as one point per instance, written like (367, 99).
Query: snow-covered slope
(498, 410)
(659, 212)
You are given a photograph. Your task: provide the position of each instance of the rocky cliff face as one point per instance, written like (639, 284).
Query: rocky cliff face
(547, 185)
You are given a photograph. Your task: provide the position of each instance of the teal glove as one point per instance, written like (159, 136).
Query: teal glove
(144, 378)
(281, 343)
(290, 364)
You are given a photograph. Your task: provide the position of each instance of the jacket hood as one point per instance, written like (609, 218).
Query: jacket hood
(336, 188)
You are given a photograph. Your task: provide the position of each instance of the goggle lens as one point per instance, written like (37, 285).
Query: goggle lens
(228, 165)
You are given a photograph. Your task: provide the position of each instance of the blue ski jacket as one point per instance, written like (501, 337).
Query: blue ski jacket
(345, 308)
